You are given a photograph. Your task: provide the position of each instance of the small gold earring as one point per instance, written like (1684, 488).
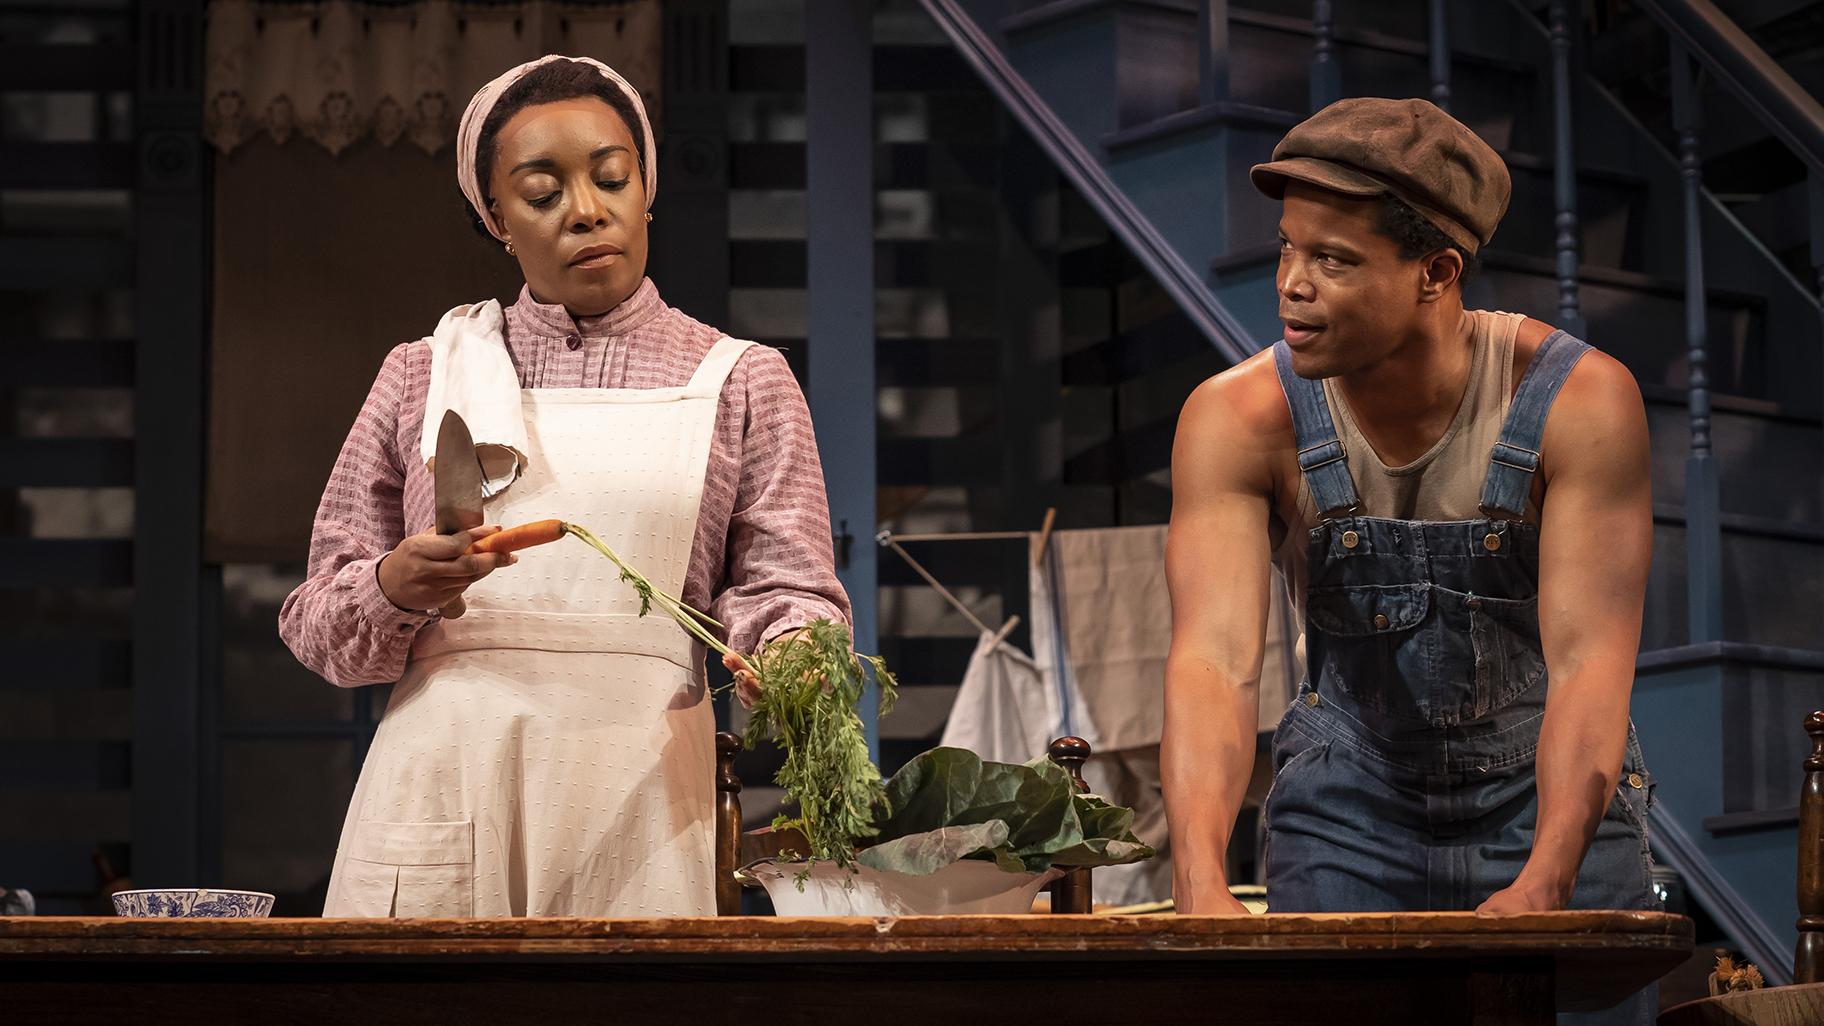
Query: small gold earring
(649, 217)
(510, 249)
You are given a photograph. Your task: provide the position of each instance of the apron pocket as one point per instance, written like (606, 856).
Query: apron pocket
(412, 870)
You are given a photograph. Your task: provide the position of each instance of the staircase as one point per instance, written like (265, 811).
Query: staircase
(1153, 110)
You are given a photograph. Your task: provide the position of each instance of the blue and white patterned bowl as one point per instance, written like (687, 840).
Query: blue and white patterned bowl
(192, 903)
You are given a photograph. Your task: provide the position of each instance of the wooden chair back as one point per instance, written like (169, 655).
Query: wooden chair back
(735, 849)
(1808, 959)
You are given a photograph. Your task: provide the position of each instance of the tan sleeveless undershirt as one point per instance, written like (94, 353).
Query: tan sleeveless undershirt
(1443, 484)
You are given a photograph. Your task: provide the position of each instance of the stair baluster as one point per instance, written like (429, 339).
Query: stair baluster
(1213, 51)
(1703, 532)
(1814, 197)
(1326, 73)
(1440, 55)
(1564, 171)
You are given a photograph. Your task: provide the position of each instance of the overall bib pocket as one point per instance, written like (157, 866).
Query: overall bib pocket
(1375, 645)
(1502, 651)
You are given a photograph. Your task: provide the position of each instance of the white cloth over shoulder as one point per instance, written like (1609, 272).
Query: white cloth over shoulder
(472, 373)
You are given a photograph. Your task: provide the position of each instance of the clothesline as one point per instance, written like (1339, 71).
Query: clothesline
(888, 541)
(887, 538)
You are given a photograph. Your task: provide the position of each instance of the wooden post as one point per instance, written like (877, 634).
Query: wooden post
(728, 825)
(1808, 960)
(1703, 532)
(1072, 894)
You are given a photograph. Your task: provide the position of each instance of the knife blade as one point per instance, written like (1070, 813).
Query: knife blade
(456, 481)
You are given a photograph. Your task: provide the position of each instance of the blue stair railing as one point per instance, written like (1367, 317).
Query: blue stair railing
(1176, 275)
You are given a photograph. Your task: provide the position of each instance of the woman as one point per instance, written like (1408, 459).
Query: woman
(551, 752)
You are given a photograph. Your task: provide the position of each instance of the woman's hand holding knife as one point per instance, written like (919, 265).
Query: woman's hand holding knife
(428, 571)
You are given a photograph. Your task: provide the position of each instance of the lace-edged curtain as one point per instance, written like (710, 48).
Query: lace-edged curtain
(335, 72)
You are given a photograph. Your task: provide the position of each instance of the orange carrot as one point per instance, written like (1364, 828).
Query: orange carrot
(541, 532)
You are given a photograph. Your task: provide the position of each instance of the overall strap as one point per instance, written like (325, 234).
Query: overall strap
(1320, 451)
(707, 382)
(1516, 455)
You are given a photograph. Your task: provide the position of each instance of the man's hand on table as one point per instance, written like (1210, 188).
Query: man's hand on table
(1189, 899)
(1222, 904)
(1526, 894)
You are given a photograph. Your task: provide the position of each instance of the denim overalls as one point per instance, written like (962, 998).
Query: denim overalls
(1404, 773)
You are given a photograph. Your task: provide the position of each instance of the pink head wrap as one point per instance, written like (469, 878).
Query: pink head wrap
(468, 133)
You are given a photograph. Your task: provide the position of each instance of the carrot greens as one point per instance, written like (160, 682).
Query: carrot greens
(810, 687)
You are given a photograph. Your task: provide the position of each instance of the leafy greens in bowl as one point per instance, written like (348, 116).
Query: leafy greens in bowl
(947, 804)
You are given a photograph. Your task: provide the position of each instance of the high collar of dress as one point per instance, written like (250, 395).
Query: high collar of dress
(551, 320)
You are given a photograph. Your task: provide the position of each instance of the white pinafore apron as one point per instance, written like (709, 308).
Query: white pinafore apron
(551, 753)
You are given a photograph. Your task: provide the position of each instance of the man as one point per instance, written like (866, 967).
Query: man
(1460, 502)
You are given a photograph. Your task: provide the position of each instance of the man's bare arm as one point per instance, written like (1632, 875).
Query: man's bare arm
(1596, 539)
(1217, 566)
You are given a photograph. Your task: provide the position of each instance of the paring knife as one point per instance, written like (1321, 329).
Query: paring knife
(457, 485)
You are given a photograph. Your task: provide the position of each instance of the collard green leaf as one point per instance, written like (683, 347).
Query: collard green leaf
(923, 853)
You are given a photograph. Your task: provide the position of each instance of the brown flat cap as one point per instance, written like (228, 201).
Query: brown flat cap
(1371, 146)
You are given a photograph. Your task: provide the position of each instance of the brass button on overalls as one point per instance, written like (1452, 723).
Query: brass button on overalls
(1381, 621)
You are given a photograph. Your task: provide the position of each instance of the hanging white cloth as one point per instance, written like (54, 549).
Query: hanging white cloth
(1005, 710)
(1102, 628)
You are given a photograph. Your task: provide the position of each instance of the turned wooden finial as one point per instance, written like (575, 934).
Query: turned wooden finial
(1072, 893)
(728, 824)
(1808, 960)
(1071, 753)
(727, 747)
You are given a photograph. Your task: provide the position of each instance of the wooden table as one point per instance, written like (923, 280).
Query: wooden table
(952, 971)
